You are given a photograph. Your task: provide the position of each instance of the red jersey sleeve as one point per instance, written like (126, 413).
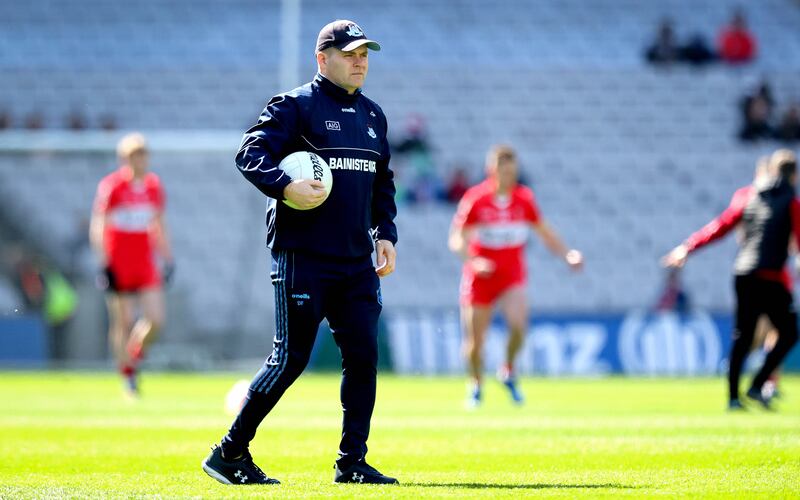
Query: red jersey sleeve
(720, 226)
(465, 213)
(103, 200)
(157, 192)
(531, 207)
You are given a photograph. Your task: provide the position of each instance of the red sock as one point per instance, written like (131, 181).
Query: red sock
(127, 370)
(136, 352)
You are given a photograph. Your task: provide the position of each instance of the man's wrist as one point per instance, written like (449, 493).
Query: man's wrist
(285, 192)
(379, 235)
(283, 185)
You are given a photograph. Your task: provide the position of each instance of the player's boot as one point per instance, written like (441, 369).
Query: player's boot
(130, 382)
(361, 472)
(473, 395)
(241, 471)
(132, 385)
(507, 378)
(758, 396)
(735, 405)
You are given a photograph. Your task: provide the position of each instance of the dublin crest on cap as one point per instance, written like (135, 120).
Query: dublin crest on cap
(344, 35)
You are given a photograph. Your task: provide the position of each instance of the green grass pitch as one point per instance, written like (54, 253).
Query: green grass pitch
(73, 435)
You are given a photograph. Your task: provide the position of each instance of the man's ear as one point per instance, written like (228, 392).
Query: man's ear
(321, 59)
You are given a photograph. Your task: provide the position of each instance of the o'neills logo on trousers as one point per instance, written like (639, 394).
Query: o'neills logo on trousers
(352, 164)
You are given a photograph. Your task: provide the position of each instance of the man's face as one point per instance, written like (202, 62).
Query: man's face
(138, 161)
(346, 69)
(505, 172)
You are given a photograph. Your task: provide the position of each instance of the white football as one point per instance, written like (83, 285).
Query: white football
(235, 397)
(307, 165)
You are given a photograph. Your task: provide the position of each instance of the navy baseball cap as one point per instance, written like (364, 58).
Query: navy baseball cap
(344, 35)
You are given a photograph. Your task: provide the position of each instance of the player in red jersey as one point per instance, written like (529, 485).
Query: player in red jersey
(769, 214)
(127, 227)
(489, 231)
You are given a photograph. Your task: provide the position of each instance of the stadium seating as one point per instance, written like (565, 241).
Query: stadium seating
(625, 159)
(74, 34)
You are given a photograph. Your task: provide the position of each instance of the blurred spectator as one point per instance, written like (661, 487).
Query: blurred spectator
(425, 188)
(697, 52)
(414, 151)
(415, 139)
(46, 292)
(756, 120)
(736, 44)
(457, 186)
(664, 49)
(761, 90)
(76, 120)
(756, 110)
(108, 122)
(28, 278)
(673, 298)
(34, 121)
(789, 127)
(5, 119)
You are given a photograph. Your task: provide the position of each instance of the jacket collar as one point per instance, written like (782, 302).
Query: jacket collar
(334, 90)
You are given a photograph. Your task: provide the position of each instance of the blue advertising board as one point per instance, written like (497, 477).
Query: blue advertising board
(23, 341)
(638, 342)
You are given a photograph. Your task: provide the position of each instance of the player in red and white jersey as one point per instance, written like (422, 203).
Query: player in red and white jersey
(126, 230)
(489, 231)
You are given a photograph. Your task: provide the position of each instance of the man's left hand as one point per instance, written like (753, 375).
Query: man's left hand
(385, 256)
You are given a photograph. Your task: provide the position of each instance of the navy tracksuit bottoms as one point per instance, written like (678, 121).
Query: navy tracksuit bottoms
(309, 288)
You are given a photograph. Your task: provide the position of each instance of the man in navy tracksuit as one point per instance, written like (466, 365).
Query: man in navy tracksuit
(321, 254)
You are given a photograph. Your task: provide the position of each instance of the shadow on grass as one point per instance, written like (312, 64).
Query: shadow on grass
(534, 486)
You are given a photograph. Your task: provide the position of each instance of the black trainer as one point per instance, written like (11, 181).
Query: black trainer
(758, 396)
(241, 471)
(361, 472)
(736, 405)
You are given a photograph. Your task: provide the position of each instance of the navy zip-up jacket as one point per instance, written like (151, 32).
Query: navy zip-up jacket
(349, 133)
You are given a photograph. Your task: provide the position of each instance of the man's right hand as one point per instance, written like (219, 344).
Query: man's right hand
(305, 193)
(482, 266)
